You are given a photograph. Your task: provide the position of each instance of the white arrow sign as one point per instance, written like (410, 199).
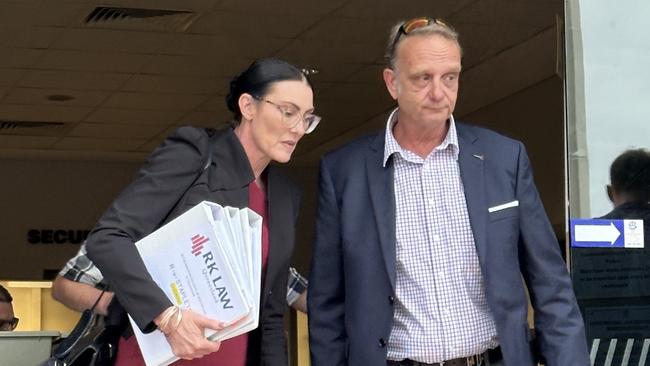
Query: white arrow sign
(597, 233)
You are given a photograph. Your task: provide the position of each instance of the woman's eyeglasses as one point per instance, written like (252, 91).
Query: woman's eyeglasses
(291, 116)
(9, 324)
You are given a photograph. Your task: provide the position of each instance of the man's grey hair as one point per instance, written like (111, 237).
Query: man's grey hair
(434, 28)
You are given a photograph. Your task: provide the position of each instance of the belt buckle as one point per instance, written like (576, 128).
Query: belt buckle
(475, 360)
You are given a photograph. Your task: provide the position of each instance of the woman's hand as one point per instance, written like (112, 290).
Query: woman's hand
(188, 340)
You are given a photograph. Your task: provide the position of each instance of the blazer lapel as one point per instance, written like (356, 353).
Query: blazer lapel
(382, 197)
(231, 173)
(279, 197)
(471, 161)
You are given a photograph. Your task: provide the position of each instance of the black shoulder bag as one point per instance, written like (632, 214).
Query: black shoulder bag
(92, 342)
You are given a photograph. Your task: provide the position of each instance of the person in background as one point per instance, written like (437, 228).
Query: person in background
(272, 103)
(629, 188)
(297, 291)
(429, 233)
(8, 321)
(79, 285)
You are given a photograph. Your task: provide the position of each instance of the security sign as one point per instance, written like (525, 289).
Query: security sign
(601, 233)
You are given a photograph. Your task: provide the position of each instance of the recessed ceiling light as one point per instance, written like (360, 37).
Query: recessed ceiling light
(60, 97)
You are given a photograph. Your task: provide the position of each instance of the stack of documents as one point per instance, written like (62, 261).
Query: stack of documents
(209, 260)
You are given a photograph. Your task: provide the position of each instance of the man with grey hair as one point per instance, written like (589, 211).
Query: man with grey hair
(425, 231)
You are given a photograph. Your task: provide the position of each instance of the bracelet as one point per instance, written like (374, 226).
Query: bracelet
(179, 317)
(166, 317)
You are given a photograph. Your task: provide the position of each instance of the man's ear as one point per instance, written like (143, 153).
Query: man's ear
(610, 192)
(390, 79)
(247, 106)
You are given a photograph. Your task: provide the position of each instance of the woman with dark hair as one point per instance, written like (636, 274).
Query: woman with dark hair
(272, 102)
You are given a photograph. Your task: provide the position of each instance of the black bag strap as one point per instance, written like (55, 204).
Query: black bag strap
(92, 309)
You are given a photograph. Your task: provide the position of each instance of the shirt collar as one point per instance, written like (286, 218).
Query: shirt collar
(392, 146)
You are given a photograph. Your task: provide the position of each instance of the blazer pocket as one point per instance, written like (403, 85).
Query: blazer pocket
(510, 212)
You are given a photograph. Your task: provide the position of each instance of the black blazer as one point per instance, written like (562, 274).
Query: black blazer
(172, 181)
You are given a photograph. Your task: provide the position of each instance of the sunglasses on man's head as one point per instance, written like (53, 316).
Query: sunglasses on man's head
(8, 324)
(413, 24)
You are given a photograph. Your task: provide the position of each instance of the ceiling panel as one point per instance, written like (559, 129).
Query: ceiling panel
(223, 46)
(18, 58)
(191, 5)
(110, 40)
(251, 25)
(195, 66)
(101, 144)
(92, 61)
(282, 7)
(28, 37)
(41, 13)
(491, 39)
(147, 117)
(172, 84)
(27, 142)
(40, 96)
(215, 105)
(390, 10)
(31, 112)
(368, 74)
(510, 13)
(168, 101)
(349, 30)
(358, 92)
(9, 77)
(314, 52)
(73, 80)
(334, 111)
(136, 81)
(133, 131)
(202, 118)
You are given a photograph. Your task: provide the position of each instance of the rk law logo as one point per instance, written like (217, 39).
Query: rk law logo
(197, 244)
(211, 271)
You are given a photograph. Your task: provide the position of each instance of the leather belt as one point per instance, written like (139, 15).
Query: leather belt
(492, 355)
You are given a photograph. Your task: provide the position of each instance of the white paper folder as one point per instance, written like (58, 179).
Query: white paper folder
(208, 259)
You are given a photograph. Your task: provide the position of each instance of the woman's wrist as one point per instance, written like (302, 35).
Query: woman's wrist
(168, 321)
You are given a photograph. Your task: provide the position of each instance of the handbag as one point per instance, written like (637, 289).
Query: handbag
(92, 342)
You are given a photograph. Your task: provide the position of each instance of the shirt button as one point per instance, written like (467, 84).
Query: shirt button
(391, 299)
(432, 202)
(436, 237)
(382, 343)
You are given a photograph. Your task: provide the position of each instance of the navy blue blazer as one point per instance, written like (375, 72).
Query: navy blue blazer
(352, 281)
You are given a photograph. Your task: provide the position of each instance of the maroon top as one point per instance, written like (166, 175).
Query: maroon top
(232, 351)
